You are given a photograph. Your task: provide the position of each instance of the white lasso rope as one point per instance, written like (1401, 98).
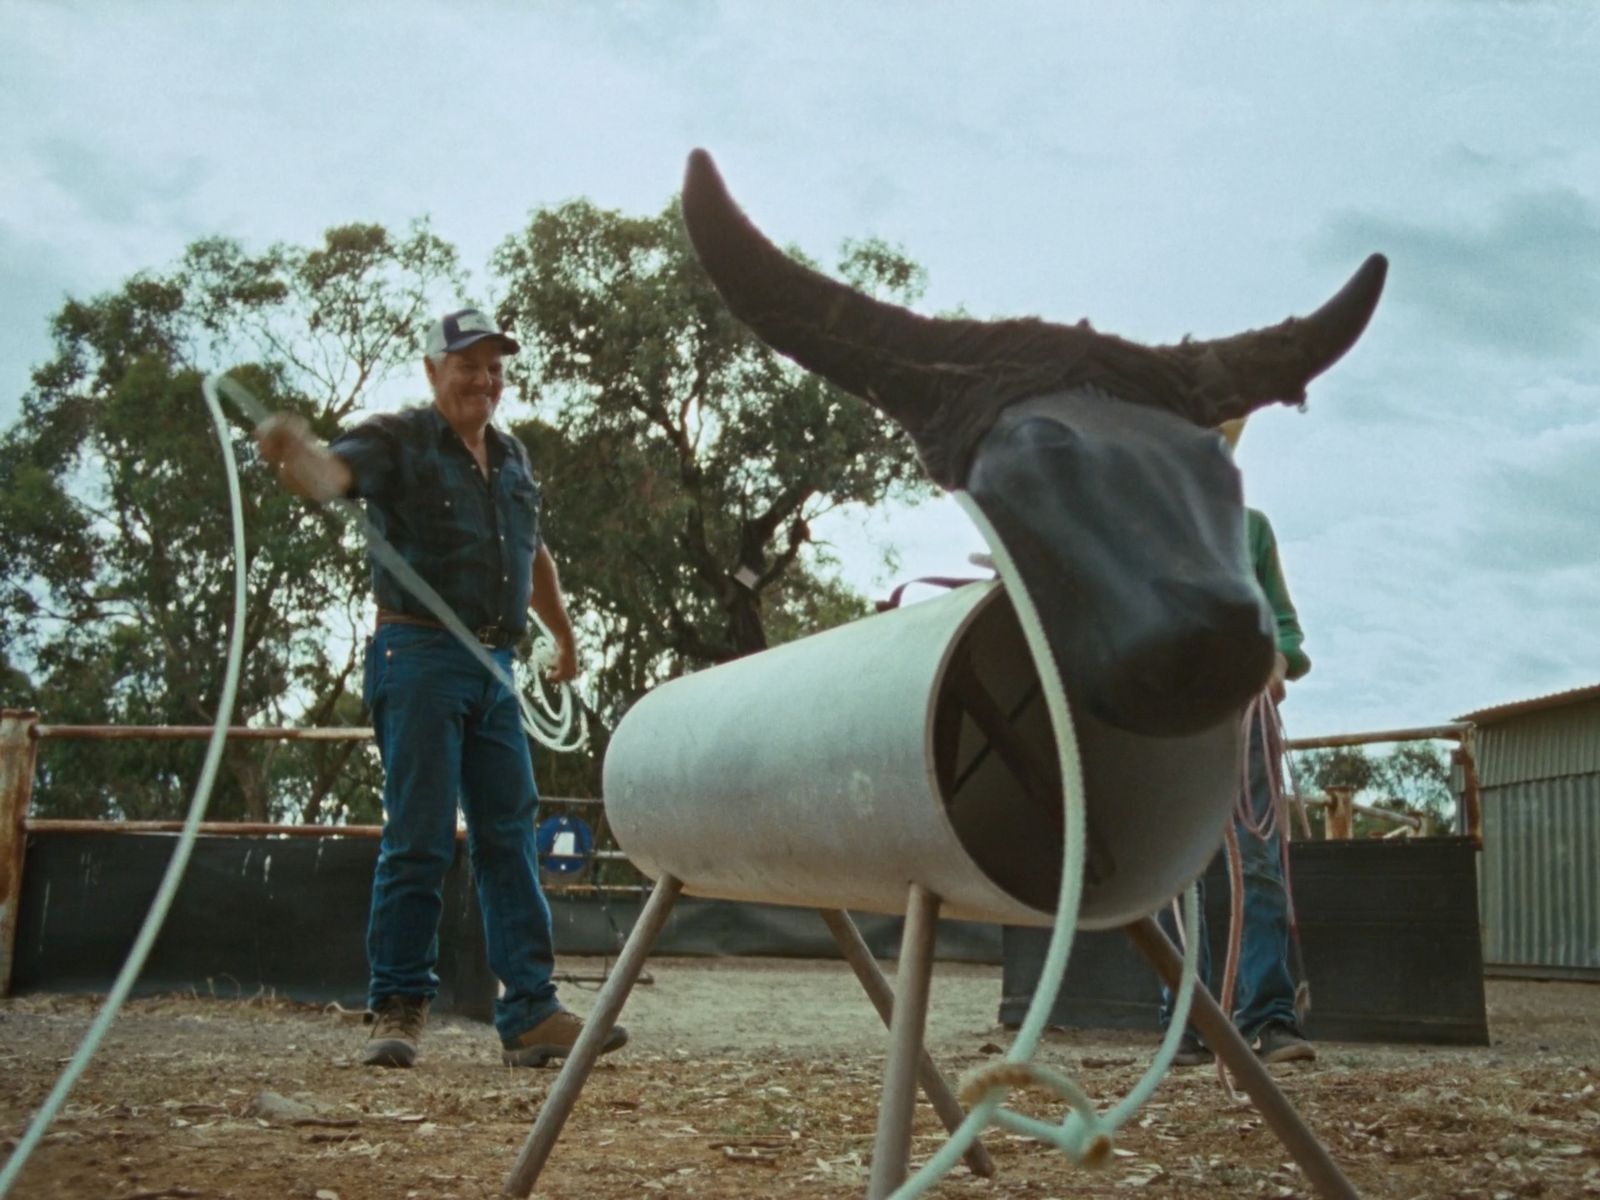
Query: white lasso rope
(557, 725)
(191, 828)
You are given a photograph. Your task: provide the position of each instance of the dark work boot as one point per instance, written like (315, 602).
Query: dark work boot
(396, 1029)
(1192, 1052)
(1280, 1043)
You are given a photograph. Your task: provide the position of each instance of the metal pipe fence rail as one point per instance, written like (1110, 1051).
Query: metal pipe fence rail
(21, 731)
(1405, 821)
(1464, 758)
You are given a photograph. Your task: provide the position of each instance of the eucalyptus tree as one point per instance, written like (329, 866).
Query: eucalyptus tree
(115, 583)
(685, 463)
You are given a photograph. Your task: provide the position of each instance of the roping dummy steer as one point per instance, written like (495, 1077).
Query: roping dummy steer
(1060, 746)
(1095, 459)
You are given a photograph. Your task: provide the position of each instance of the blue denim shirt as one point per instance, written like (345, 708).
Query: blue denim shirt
(473, 539)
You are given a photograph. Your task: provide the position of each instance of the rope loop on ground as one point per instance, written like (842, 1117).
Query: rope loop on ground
(1085, 1135)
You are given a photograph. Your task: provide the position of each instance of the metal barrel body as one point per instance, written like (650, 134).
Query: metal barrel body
(914, 746)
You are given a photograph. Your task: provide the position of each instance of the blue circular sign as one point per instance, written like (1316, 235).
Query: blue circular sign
(566, 845)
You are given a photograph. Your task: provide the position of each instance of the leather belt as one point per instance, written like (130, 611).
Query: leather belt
(493, 636)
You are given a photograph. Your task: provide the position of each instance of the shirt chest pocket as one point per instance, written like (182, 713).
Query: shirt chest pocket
(521, 506)
(437, 507)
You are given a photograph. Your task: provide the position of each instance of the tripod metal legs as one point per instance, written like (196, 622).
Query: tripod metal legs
(905, 1008)
(608, 1004)
(1219, 1033)
(881, 994)
(891, 1152)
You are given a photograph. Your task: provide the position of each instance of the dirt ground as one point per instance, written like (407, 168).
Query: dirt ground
(760, 1078)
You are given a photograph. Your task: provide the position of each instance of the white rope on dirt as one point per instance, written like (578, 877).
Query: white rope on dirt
(191, 827)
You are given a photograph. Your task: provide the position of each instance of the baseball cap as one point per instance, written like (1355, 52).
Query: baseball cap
(460, 329)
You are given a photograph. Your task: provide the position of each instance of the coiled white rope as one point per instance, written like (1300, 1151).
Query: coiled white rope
(191, 827)
(557, 725)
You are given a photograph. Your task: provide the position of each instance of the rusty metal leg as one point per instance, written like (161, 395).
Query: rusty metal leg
(891, 1152)
(17, 752)
(881, 994)
(1219, 1033)
(608, 1004)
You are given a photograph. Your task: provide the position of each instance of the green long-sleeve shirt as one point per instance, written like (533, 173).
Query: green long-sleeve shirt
(1269, 574)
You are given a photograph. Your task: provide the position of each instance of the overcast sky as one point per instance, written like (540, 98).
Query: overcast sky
(1161, 168)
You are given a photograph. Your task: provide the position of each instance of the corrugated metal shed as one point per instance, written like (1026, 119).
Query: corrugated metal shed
(1539, 767)
(1500, 712)
(1552, 744)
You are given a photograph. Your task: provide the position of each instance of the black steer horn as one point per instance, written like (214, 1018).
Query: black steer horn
(1090, 459)
(946, 381)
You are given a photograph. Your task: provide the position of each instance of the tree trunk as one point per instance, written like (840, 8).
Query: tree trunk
(746, 635)
(249, 773)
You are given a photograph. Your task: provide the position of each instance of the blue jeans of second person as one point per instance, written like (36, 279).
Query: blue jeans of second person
(1265, 987)
(448, 732)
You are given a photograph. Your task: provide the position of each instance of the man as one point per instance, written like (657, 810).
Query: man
(457, 499)
(1264, 1002)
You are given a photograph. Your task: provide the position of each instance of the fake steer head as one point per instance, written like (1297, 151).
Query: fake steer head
(1093, 458)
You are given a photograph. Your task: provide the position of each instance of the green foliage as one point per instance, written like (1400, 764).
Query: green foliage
(1412, 778)
(1341, 766)
(337, 319)
(16, 689)
(116, 582)
(1417, 775)
(683, 461)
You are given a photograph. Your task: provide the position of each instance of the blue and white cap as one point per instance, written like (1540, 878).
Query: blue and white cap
(460, 329)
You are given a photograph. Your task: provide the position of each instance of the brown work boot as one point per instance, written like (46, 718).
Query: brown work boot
(551, 1038)
(396, 1030)
(1279, 1043)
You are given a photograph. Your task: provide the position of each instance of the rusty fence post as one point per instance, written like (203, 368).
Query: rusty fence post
(1339, 820)
(17, 752)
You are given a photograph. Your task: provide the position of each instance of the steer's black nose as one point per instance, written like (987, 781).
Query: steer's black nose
(1126, 529)
(1201, 648)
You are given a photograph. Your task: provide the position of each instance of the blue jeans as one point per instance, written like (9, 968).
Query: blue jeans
(1264, 992)
(447, 731)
